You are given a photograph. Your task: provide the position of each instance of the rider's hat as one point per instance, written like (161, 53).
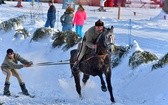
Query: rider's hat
(99, 23)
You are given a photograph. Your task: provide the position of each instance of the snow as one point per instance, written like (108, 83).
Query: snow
(53, 85)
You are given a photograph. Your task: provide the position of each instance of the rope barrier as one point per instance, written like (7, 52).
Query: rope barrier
(138, 12)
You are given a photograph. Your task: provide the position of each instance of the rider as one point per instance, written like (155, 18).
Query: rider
(89, 40)
(9, 68)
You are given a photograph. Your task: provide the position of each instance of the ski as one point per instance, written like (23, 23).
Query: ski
(15, 96)
(12, 95)
(20, 95)
(30, 95)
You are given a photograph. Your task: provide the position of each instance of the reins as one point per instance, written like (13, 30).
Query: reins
(99, 56)
(102, 56)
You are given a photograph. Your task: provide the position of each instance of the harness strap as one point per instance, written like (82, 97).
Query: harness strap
(99, 56)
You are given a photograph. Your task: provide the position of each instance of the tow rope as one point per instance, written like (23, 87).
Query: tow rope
(61, 62)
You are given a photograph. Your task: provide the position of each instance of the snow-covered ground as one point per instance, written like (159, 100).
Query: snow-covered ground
(53, 85)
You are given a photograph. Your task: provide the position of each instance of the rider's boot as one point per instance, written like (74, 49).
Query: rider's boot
(6, 89)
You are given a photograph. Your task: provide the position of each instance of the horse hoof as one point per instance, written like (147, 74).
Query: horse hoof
(104, 89)
(80, 96)
(84, 81)
(113, 101)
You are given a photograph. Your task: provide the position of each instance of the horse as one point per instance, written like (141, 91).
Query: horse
(95, 63)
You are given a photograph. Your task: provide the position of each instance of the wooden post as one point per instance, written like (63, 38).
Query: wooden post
(164, 17)
(32, 3)
(129, 36)
(119, 6)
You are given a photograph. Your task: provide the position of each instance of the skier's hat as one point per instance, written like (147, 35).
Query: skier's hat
(9, 51)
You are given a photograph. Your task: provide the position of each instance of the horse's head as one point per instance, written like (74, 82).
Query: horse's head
(107, 39)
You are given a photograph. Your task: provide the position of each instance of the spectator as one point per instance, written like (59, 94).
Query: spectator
(79, 18)
(19, 4)
(51, 15)
(66, 19)
(165, 6)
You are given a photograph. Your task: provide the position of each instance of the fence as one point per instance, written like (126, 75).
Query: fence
(151, 35)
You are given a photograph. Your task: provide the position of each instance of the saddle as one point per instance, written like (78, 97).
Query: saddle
(89, 53)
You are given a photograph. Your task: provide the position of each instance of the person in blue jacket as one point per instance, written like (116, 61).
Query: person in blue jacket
(51, 15)
(67, 19)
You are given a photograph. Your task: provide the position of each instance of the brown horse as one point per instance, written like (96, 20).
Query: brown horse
(96, 63)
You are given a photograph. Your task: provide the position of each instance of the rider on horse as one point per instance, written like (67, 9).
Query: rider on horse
(94, 57)
(89, 40)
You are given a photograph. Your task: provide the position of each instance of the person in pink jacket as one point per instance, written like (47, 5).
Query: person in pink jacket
(79, 18)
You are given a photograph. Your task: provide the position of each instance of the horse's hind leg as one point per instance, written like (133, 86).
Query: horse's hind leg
(103, 87)
(77, 83)
(85, 78)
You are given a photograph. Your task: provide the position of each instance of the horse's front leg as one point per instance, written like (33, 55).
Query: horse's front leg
(108, 80)
(85, 78)
(103, 87)
(77, 82)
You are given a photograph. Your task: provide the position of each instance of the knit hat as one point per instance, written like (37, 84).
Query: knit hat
(9, 51)
(99, 23)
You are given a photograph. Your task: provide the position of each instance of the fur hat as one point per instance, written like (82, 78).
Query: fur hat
(99, 23)
(9, 51)
(69, 9)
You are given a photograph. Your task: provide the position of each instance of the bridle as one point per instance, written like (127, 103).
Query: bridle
(108, 39)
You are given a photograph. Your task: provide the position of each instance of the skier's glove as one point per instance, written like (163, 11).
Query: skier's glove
(29, 64)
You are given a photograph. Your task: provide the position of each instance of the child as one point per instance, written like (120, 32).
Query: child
(79, 18)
